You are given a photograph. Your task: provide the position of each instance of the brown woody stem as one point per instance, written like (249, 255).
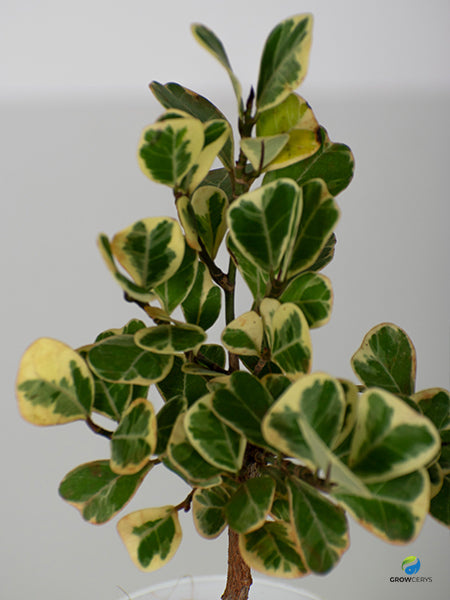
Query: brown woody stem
(239, 577)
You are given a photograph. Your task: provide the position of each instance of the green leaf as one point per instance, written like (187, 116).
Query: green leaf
(254, 277)
(169, 149)
(244, 335)
(151, 536)
(173, 95)
(211, 42)
(319, 216)
(111, 398)
(313, 294)
(202, 305)
(174, 290)
(250, 504)
(351, 403)
(320, 526)
(133, 290)
(326, 255)
(435, 404)
(151, 250)
(217, 443)
(333, 163)
(54, 384)
(295, 118)
(261, 151)
(291, 343)
(134, 440)
(272, 550)
(243, 405)
(170, 339)
(284, 61)
(208, 509)
(166, 419)
(390, 439)
(386, 359)
(220, 178)
(216, 133)
(262, 223)
(395, 510)
(315, 400)
(97, 492)
(209, 205)
(119, 359)
(440, 504)
(189, 463)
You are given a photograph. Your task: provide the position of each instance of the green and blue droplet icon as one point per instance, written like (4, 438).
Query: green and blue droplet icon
(411, 565)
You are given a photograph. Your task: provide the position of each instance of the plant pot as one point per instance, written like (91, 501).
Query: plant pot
(211, 587)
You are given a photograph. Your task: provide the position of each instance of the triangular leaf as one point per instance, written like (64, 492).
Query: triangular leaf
(209, 205)
(54, 384)
(261, 151)
(202, 305)
(99, 493)
(212, 438)
(169, 149)
(174, 290)
(395, 510)
(391, 439)
(173, 95)
(134, 440)
(211, 42)
(250, 504)
(151, 536)
(119, 359)
(284, 62)
(170, 339)
(386, 359)
(272, 550)
(151, 250)
(291, 343)
(262, 223)
(319, 217)
(208, 509)
(334, 163)
(244, 335)
(189, 463)
(242, 404)
(320, 526)
(313, 294)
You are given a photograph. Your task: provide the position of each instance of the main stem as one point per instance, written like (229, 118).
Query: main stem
(239, 577)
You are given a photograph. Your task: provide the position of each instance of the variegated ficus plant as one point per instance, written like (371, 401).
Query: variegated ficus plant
(274, 452)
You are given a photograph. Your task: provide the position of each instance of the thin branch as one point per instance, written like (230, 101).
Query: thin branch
(97, 429)
(186, 503)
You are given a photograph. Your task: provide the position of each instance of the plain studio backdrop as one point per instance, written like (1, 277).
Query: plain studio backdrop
(74, 99)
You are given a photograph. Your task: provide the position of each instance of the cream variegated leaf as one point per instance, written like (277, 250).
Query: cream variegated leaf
(215, 441)
(216, 133)
(284, 62)
(261, 151)
(209, 205)
(150, 250)
(134, 440)
(208, 39)
(168, 149)
(263, 223)
(244, 334)
(272, 550)
(391, 439)
(54, 384)
(151, 536)
(295, 118)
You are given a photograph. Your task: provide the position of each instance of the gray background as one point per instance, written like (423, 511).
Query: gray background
(73, 101)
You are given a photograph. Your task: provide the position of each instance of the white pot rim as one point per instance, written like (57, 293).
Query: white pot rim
(173, 583)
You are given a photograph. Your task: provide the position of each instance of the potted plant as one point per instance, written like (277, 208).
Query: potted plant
(272, 452)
